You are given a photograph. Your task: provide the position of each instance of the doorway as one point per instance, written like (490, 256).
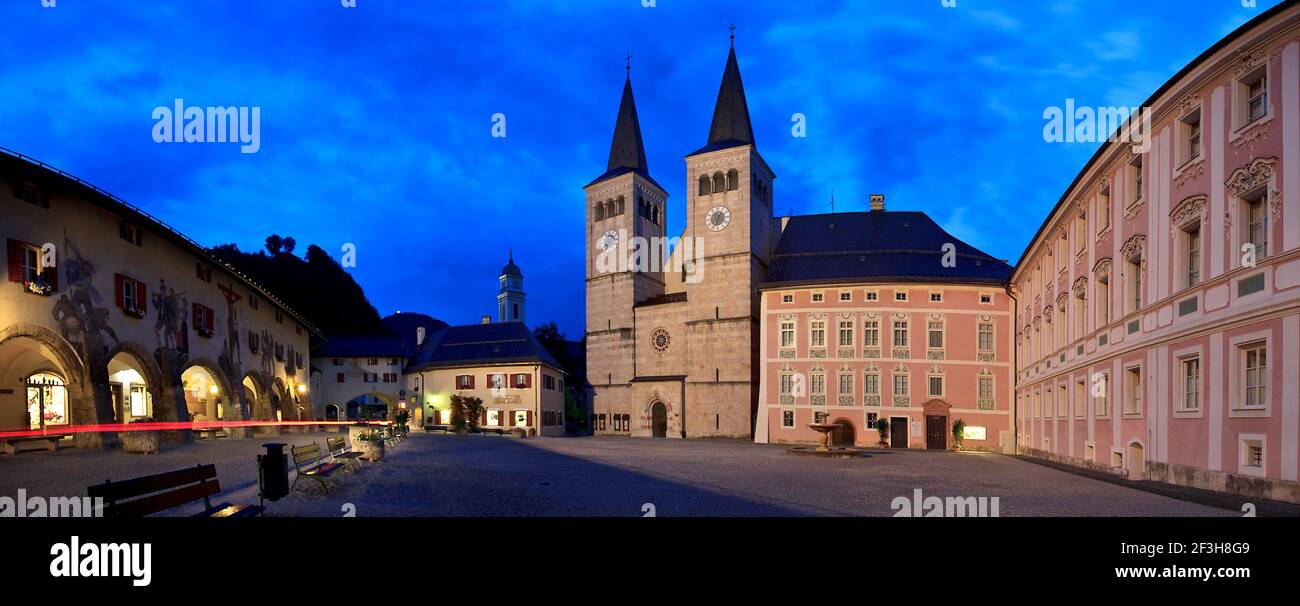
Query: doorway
(936, 432)
(1137, 463)
(842, 435)
(659, 420)
(898, 432)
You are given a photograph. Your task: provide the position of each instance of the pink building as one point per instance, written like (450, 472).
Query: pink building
(1158, 307)
(884, 315)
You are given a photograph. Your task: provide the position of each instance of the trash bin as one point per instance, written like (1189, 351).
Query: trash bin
(272, 473)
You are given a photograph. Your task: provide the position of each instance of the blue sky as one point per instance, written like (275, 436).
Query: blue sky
(376, 120)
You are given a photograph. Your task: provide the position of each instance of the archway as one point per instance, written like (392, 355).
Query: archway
(843, 433)
(331, 412)
(370, 407)
(1137, 461)
(133, 385)
(36, 389)
(205, 394)
(254, 390)
(659, 420)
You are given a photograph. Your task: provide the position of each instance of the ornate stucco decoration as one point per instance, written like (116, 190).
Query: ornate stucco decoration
(1061, 301)
(902, 315)
(1081, 287)
(1251, 177)
(1133, 247)
(1193, 171)
(938, 317)
(1247, 60)
(1187, 104)
(1192, 208)
(1102, 269)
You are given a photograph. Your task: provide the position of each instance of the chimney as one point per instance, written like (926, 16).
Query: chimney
(877, 203)
(487, 319)
(419, 336)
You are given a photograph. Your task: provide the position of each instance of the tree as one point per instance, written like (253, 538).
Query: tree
(289, 244)
(273, 244)
(548, 332)
(882, 426)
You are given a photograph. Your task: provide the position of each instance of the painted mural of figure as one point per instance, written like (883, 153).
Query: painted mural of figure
(172, 317)
(79, 318)
(268, 354)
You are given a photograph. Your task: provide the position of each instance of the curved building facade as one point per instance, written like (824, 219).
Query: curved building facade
(1158, 306)
(108, 315)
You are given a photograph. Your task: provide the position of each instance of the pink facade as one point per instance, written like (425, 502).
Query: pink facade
(859, 353)
(1158, 308)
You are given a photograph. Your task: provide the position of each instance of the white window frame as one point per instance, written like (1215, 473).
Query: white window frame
(788, 328)
(1244, 443)
(936, 297)
(818, 297)
(1184, 397)
(871, 295)
(1241, 98)
(870, 334)
(929, 385)
(905, 332)
(1131, 392)
(900, 296)
(845, 334)
(790, 424)
(814, 332)
(846, 295)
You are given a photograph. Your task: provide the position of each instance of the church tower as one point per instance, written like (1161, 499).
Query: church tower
(510, 300)
(626, 208)
(729, 211)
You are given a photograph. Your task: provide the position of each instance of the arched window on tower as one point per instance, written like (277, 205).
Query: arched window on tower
(620, 205)
(704, 185)
(654, 214)
(599, 211)
(719, 182)
(609, 208)
(733, 179)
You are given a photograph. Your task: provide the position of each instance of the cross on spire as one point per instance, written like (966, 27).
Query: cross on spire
(629, 65)
(732, 28)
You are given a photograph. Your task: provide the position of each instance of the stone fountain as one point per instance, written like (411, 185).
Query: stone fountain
(824, 448)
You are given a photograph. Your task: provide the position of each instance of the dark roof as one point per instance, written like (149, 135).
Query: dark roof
(627, 151)
(672, 297)
(481, 345)
(403, 325)
(1150, 103)
(363, 347)
(731, 126)
(510, 269)
(32, 168)
(876, 247)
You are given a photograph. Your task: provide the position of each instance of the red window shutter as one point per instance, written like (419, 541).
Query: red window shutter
(528, 381)
(530, 419)
(483, 418)
(14, 254)
(503, 418)
(211, 320)
(197, 314)
(340, 377)
(140, 292)
(471, 381)
(119, 290)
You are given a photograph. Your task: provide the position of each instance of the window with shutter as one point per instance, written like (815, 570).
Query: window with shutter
(341, 377)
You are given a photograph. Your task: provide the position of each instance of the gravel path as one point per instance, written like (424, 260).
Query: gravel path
(442, 475)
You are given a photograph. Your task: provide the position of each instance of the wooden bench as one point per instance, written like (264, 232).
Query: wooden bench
(338, 449)
(50, 441)
(209, 433)
(146, 495)
(309, 461)
(496, 430)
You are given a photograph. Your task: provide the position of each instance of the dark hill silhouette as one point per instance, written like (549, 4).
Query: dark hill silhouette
(315, 286)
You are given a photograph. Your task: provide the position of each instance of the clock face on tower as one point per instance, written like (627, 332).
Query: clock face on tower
(717, 218)
(608, 241)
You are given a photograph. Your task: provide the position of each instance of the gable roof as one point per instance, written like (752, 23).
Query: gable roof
(884, 246)
(482, 345)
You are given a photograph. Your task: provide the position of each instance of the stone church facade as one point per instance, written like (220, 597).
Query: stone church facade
(671, 349)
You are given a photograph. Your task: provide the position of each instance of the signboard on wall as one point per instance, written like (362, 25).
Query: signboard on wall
(973, 432)
(916, 429)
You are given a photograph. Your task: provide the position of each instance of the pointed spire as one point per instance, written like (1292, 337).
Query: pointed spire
(731, 125)
(627, 150)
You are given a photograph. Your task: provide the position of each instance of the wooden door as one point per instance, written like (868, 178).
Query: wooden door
(936, 432)
(898, 432)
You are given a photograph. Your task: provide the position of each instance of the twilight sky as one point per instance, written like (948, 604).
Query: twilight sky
(376, 121)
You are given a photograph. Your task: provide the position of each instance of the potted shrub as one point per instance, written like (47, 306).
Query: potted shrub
(882, 426)
(958, 432)
(370, 444)
(519, 432)
(144, 441)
